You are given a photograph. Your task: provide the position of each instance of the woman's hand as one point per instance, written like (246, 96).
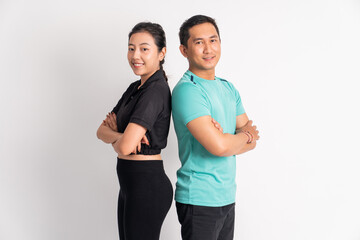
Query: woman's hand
(107, 131)
(138, 147)
(110, 121)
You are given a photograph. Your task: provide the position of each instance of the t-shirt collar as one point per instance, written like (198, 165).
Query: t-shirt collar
(189, 74)
(156, 76)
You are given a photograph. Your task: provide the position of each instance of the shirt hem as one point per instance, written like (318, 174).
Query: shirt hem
(195, 116)
(206, 204)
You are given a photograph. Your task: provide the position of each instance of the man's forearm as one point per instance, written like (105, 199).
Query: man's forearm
(216, 142)
(235, 144)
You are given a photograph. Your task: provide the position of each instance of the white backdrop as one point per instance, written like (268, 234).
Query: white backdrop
(296, 65)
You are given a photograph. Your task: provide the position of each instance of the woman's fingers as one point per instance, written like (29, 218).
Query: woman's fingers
(134, 151)
(110, 121)
(113, 121)
(139, 147)
(145, 140)
(113, 117)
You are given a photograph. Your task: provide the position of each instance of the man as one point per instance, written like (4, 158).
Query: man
(212, 127)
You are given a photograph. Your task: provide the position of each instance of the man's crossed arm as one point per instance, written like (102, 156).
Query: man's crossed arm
(224, 144)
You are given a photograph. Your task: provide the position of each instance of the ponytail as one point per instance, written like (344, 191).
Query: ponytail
(163, 71)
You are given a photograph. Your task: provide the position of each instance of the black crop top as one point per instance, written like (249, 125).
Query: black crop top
(148, 106)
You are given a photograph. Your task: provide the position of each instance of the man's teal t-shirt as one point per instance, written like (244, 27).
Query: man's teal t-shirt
(204, 179)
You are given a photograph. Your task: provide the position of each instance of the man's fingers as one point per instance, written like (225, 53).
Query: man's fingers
(217, 125)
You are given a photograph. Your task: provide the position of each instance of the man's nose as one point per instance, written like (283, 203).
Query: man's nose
(207, 47)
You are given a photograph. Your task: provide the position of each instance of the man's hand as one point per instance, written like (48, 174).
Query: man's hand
(217, 125)
(252, 129)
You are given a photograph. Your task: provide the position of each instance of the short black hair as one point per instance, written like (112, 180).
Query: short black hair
(184, 34)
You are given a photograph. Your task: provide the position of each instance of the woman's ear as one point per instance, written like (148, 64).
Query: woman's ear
(162, 53)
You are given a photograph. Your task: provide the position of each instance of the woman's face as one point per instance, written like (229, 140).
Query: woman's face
(143, 55)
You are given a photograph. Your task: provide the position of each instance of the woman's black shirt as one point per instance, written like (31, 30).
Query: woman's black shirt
(148, 106)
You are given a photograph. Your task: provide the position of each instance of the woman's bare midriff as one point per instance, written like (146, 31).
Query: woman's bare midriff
(140, 157)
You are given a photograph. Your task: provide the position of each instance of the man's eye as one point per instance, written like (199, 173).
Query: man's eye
(198, 42)
(131, 49)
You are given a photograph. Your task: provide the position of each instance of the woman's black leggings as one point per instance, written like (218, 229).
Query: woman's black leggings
(145, 198)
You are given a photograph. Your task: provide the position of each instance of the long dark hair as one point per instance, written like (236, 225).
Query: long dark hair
(157, 32)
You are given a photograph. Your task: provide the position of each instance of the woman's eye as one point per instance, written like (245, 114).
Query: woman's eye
(145, 49)
(131, 49)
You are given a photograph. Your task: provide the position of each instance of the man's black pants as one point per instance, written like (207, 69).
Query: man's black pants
(206, 223)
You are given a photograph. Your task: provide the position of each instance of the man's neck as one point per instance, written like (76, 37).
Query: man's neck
(205, 74)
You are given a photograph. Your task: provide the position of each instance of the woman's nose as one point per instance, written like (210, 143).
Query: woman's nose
(136, 54)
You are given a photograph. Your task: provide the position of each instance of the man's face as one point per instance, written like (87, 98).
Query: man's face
(203, 47)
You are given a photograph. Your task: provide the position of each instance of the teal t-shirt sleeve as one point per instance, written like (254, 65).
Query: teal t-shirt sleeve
(189, 103)
(239, 106)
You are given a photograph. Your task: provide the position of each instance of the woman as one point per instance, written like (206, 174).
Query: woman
(137, 128)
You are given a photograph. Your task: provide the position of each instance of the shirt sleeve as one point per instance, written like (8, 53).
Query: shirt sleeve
(239, 106)
(117, 107)
(147, 109)
(189, 103)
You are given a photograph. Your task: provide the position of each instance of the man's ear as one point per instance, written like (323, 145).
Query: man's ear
(183, 50)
